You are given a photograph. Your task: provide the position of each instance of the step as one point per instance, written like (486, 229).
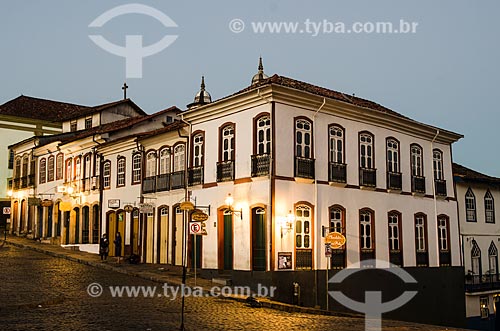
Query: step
(222, 281)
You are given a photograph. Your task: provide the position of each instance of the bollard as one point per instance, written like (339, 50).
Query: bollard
(296, 293)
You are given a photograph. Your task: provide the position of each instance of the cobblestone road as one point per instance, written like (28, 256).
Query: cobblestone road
(40, 292)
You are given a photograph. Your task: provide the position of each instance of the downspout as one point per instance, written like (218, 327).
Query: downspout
(269, 215)
(317, 211)
(434, 190)
(101, 191)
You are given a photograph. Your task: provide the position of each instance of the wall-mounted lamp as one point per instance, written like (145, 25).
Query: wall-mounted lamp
(9, 193)
(229, 202)
(287, 223)
(70, 190)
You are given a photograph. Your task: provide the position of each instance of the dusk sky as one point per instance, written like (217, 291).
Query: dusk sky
(445, 74)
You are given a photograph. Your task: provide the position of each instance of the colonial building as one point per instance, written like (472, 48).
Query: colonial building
(480, 237)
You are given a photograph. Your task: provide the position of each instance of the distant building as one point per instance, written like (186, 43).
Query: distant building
(480, 237)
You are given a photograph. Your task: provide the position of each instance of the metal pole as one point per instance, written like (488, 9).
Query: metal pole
(184, 272)
(195, 237)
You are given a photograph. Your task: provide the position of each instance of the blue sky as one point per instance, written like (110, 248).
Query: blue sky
(446, 74)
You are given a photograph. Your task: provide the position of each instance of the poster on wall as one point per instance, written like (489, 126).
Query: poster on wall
(284, 260)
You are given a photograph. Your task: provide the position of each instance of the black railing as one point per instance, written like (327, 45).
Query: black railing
(422, 259)
(440, 186)
(474, 283)
(17, 183)
(163, 182)
(260, 165)
(417, 184)
(338, 259)
(337, 172)
(444, 258)
(394, 181)
(31, 180)
(149, 184)
(303, 259)
(396, 257)
(195, 176)
(304, 168)
(178, 179)
(367, 177)
(366, 254)
(225, 171)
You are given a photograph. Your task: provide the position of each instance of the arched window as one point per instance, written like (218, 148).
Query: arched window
(179, 157)
(303, 138)
(42, 176)
(120, 172)
(198, 150)
(417, 167)
(136, 168)
(106, 174)
(165, 161)
(50, 168)
(493, 262)
(366, 152)
(59, 166)
(421, 239)
(395, 236)
(443, 227)
(437, 157)
(337, 224)
(366, 229)
(392, 155)
(470, 206)
(87, 166)
(25, 165)
(489, 207)
(151, 164)
(78, 168)
(476, 259)
(69, 168)
(336, 144)
(227, 143)
(303, 236)
(17, 168)
(263, 135)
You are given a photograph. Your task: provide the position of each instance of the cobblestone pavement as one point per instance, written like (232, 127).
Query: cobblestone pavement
(42, 292)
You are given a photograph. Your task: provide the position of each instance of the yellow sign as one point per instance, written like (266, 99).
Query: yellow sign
(46, 203)
(335, 239)
(186, 205)
(128, 208)
(199, 216)
(65, 206)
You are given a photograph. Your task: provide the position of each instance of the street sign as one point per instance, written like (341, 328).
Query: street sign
(186, 205)
(6, 210)
(335, 239)
(146, 208)
(328, 250)
(199, 216)
(128, 208)
(195, 228)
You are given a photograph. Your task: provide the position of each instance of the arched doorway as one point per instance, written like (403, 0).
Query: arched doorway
(135, 238)
(111, 230)
(258, 239)
(76, 211)
(22, 219)
(95, 224)
(85, 224)
(120, 227)
(225, 239)
(177, 235)
(162, 235)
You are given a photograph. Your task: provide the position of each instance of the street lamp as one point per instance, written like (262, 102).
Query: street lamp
(9, 193)
(229, 202)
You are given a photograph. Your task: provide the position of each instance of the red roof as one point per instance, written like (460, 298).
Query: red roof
(466, 174)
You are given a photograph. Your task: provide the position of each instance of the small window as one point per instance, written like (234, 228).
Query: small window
(417, 168)
(392, 155)
(136, 168)
(88, 122)
(106, 174)
(489, 207)
(336, 144)
(120, 172)
(366, 153)
(43, 171)
(470, 206)
(11, 159)
(438, 164)
(483, 305)
(50, 169)
(72, 126)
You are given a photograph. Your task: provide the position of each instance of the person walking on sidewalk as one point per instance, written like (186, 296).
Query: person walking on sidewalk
(104, 247)
(118, 246)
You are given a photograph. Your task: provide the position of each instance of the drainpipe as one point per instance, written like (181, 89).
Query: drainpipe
(434, 190)
(318, 219)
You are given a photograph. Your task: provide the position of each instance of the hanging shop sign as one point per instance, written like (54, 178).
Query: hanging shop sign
(335, 239)
(186, 205)
(65, 206)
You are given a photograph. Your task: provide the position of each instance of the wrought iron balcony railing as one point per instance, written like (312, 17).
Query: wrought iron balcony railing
(394, 181)
(304, 167)
(337, 172)
(367, 177)
(195, 176)
(163, 182)
(149, 184)
(418, 184)
(440, 186)
(260, 165)
(178, 179)
(225, 171)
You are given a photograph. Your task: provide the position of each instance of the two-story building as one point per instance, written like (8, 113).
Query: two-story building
(480, 237)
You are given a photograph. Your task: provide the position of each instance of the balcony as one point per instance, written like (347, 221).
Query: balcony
(149, 184)
(163, 182)
(90, 183)
(394, 181)
(31, 180)
(225, 171)
(303, 259)
(195, 176)
(444, 258)
(440, 186)
(178, 179)
(396, 257)
(479, 283)
(304, 168)
(16, 184)
(422, 259)
(337, 172)
(367, 177)
(418, 184)
(260, 165)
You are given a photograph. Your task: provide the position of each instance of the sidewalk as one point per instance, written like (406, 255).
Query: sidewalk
(159, 273)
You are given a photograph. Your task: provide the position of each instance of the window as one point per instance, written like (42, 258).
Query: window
(227, 143)
(416, 160)
(136, 168)
(483, 305)
(366, 151)
(165, 161)
(303, 227)
(43, 171)
(11, 159)
(394, 232)
(87, 166)
(366, 229)
(88, 122)
(25, 165)
(151, 164)
(337, 224)
(336, 144)
(120, 172)
(179, 157)
(106, 174)
(470, 206)
(59, 166)
(489, 207)
(420, 240)
(198, 150)
(263, 135)
(493, 261)
(443, 233)
(392, 155)
(68, 170)
(72, 126)
(475, 259)
(336, 220)
(50, 168)
(17, 170)
(438, 164)
(303, 138)
(78, 168)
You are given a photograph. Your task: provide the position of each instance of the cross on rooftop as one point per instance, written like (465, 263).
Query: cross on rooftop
(124, 88)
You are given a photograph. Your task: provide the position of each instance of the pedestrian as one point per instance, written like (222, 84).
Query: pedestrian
(118, 246)
(104, 247)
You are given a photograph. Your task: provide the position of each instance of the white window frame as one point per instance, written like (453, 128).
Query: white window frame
(470, 206)
(227, 143)
(366, 229)
(165, 161)
(366, 151)
(263, 135)
(179, 157)
(198, 141)
(303, 138)
(437, 161)
(120, 171)
(136, 168)
(489, 207)
(106, 174)
(151, 163)
(444, 245)
(392, 158)
(420, 238)
(394, 233)
(336, 144)
(303, 226)
(417, 167)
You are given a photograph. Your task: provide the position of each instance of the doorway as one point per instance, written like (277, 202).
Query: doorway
(225, 241)
(258, 239)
